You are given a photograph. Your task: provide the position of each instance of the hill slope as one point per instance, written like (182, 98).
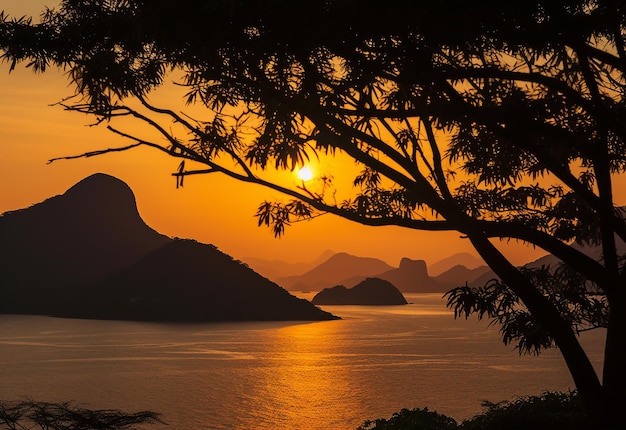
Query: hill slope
(190, 281)
(460, 258)
(458, 275)
(88, 253)
(277, 269)
(333, 271)
(69, 240)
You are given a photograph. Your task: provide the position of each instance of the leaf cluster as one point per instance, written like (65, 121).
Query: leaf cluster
(578, 301)
(279, 216)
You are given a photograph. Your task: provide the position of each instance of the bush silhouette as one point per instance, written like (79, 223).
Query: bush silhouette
(549, 411)
(416, 419)
(29, 414)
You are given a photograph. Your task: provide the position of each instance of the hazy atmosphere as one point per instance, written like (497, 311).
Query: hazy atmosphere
(334, 215)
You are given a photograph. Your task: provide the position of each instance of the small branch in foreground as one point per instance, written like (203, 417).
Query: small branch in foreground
(95, 153)
(180, 175)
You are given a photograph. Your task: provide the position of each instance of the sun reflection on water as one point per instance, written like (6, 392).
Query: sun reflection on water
(302, 369)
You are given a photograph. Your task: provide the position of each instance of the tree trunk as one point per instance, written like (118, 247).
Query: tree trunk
(614, 372)
(582, 371)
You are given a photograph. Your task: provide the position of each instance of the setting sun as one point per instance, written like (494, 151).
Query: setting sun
(305, 173)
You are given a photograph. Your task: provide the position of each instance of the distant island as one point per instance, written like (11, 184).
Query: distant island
(88, 254)
(371, 291)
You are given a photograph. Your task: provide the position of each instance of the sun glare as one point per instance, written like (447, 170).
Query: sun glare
(305, 173)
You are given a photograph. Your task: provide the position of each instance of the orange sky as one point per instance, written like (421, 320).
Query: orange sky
(210, 208)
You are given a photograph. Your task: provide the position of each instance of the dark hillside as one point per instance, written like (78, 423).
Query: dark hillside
(190, 281)
(69, 240)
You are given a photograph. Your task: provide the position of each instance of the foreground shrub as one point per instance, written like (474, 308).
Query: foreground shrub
(549, 411)
(30, 415)
(416, 419)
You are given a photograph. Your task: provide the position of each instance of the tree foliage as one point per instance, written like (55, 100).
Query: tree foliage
(503, 121)
(577, 300)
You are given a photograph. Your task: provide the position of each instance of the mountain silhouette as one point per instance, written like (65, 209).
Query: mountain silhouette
(334, 270)
(410, 277)
(460, 258)
(371, 291)
(88, 250)
(458, 275)
(68, 240)
(277, 269)
(190, 281)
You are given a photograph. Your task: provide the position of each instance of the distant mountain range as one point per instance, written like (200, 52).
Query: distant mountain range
(87, 253)
(335, 270)
(276, 269)
(412, 276)
(464, 259)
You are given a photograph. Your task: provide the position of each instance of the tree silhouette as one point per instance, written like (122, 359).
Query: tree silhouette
(500, 121)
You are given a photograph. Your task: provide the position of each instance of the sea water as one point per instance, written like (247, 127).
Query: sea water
(330, 375)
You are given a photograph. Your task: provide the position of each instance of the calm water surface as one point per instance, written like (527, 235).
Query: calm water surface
(328, 375)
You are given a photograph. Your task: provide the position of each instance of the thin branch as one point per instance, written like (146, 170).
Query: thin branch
(438, 173)
(197, 131)
(98, 152)
(194, 172)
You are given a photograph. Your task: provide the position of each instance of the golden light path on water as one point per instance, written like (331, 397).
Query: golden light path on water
(301, 374)
(276, 375)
